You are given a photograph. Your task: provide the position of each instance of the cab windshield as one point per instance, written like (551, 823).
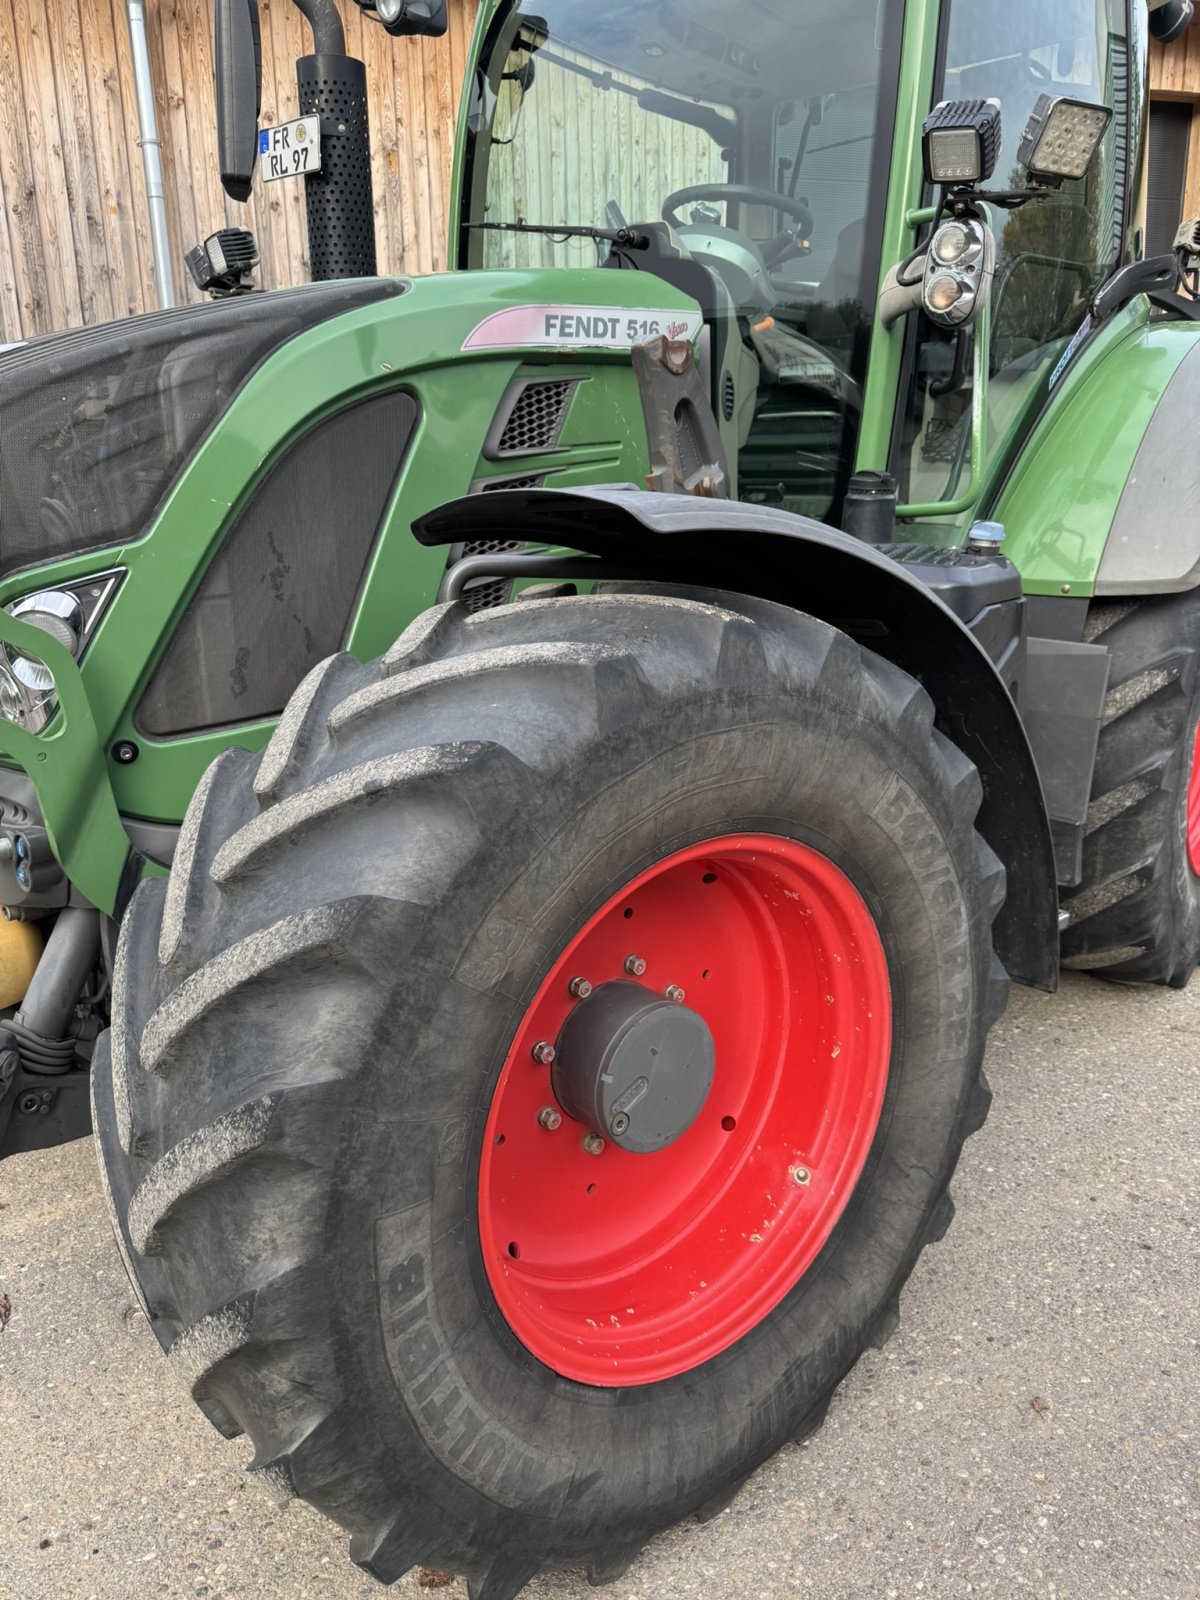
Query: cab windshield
(752, 143)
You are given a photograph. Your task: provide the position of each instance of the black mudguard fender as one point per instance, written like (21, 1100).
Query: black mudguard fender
(756, 550)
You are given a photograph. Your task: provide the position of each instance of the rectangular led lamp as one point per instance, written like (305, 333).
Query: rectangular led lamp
(961, 142)
(1062, 137)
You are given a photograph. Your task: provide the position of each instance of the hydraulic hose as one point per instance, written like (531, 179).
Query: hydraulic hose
(50, 1057)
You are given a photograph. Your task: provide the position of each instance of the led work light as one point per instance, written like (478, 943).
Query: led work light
(961, 142)
(1060, 139)
(406, 17)
(1170, 18)
(222, 264)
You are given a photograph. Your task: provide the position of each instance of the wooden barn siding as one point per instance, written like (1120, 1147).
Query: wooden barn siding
(1175, 75)
(74, 236)
(74, 232)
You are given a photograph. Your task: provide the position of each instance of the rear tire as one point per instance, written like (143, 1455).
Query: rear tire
(1135, 918)
(314, 1015)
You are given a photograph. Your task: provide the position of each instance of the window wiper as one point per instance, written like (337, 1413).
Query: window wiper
(624, 238)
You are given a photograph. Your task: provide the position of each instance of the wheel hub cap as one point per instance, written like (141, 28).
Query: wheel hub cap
(633, 1067)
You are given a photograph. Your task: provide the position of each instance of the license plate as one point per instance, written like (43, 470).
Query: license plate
(291, 150)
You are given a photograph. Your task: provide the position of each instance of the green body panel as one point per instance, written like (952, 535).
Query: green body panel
(414, 342)
(1060, 499)
(906, 184)
(67, 765)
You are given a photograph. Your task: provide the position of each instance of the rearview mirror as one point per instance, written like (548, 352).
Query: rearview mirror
(238, 52)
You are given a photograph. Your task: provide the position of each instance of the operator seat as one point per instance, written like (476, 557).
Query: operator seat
(830, 320)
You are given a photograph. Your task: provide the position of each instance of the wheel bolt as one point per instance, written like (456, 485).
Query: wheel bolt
(635, 966)
(544, 1053)
(593, 1144)
(802, 1175)
(674, 992)
(550, 1118)
(580, 988)
(619, 1124)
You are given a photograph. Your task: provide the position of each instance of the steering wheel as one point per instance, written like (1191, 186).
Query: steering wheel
(746, 195)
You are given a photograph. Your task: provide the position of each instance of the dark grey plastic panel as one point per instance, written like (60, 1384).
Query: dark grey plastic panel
(1062, 703)
(1154, 544)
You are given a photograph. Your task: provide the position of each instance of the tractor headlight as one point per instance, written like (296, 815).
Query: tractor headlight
(1061, 138)
(961, 141)
(16, 702)
(956, 245)
(27, 692)
(944, 293)
(958, 271)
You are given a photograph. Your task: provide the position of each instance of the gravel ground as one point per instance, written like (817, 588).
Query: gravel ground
(1033, 1429)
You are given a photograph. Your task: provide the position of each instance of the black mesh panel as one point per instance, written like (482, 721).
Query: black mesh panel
(96, 424)
(279, 594)
(536, 420)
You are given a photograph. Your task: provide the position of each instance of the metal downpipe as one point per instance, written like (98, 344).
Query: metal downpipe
(164, 278)
(329, 37)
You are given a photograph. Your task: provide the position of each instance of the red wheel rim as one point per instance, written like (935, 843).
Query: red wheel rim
(619, 1268)
(1193, 809)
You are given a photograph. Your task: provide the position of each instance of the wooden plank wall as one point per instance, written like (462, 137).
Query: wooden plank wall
(74, 235)
(1175, 75)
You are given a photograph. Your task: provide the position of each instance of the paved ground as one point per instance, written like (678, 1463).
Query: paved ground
(1032, 1430)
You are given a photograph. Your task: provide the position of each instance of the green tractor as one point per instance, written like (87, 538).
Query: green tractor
(615, 717)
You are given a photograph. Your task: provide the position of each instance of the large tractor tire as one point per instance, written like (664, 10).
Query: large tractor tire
(545, 1066)
(1136, 915)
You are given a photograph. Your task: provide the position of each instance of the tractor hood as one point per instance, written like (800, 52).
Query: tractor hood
(97, 423)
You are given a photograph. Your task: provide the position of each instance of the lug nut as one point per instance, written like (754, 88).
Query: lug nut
(593, 1144)
(674, 992)
(802, 1175)
(550, 1118)
(544, 1053)
(635, 966)
(619, 1124)
(580, 988)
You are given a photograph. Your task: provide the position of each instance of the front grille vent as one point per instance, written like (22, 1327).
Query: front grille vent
(487, 593)
(494, 485)
(535, 417)
(492, 547)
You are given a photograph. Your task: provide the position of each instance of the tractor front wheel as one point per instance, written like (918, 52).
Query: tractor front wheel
(545, 1066)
